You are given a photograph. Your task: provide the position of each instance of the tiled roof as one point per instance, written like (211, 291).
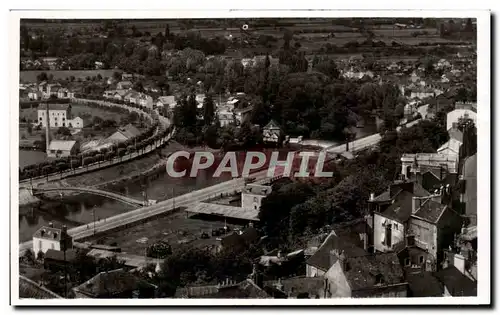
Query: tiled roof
(29, 289)
(48, 233)
(456, 282)
(430, 211)
(246, 289)
(61, 145)
(272, 125)
(424, 284)
(321, 258)
(401, 209)
(59, 255)
(130, 131)
(314, 286)
(111, 283)
(452, 144)
(167, 100)
(363, 271)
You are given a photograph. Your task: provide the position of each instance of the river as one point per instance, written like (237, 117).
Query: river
(79, 210)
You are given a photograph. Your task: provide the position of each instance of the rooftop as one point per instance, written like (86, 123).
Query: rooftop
(424, 284)
(401, 209)
(60, 255)
(246, 289)
(456, 282)
(255, 189)
(111, 283)
(451, 144)
(430, 211)
(28, 289)
(371, 270)
(129, 131)
(49, 233)
(225, 211)
(322, 257)
(63, 145)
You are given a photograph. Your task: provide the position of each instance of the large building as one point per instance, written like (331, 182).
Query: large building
(57, 116)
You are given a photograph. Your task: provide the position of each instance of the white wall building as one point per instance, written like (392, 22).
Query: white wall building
(46, 238)
(57, 116)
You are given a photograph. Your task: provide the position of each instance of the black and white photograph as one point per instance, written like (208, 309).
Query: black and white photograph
(250, 158)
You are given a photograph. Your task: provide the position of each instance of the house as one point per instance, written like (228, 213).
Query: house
(166, 101)
(124, 134)
(462, 110)
(456, 283)
(132, 97)
(29, 289)
(297, 287)
(61, 148)
(252, 195)
(76, 123)
(124, 85)
(98, 65)
(349, 238)
(390, 212)
(272, 132)
(115, 284)
(34, 95)
(56, 115)
(442, 166)
(65, 93)
(433, 226)
(239, 241)
(145, 100)
(246, 289)
(46, 238)
(451, 148)
(57, 260)
(127, 76)
(243, 114)
(51, 62)
(353, 272)
(119, 95)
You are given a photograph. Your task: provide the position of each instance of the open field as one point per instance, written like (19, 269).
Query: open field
(175, 229)
(30, 76)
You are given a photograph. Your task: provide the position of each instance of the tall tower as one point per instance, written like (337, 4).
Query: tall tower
(47, 128)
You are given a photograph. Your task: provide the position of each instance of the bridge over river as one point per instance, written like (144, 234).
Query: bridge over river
(119, 197)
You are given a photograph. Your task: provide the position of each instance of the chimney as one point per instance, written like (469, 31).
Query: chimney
(64, 229)
(278, 254)
(51, 224)
(372, 196)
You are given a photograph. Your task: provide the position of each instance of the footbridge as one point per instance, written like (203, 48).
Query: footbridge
(93, 191)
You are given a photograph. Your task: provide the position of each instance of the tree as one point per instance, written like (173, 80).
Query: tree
(64, 131)
(208, 110)
(42, 77)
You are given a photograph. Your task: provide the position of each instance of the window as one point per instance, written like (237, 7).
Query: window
(407, 261)
(421, 259)
(39, 245)
(388, 235)
(52, 246)
(55, 124)
(40, 118)
(395, 226)
(255, 199)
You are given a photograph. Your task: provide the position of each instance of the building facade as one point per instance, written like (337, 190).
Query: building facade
(58, 115)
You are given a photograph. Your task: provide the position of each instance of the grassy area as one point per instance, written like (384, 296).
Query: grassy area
(175, 229)
(30, 76)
